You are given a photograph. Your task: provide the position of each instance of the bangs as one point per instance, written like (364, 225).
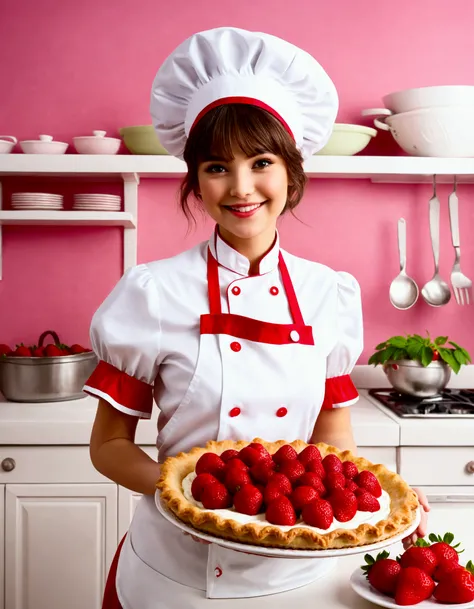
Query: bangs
(242, 127)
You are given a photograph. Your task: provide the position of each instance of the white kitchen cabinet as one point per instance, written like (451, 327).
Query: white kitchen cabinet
(386, 455)
(59, 542)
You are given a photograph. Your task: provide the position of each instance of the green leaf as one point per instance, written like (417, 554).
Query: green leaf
(448, 538)
(440, 340)
(447, 356)
(374, 359)
(398, 341)
(463, 351)
(460, 357)
(418, 338)
(426, 355)
(470, 567)
(387, 354)
(414, 350)
(380, 346)
(422, 543)
(399, 354)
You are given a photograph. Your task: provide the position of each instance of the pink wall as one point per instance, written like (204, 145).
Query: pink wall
(71, 67)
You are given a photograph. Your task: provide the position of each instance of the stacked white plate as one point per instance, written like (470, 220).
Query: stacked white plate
(36, 200)
(97, 202)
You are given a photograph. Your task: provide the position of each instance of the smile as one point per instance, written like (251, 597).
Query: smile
(244, 210)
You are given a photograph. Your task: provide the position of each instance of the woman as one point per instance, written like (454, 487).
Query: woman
(234, 338)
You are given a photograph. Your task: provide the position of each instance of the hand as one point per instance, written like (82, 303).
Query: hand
(423, 526)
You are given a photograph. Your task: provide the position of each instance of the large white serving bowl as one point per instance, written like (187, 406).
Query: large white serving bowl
(433, 132)
(428, 97)
(347, 139)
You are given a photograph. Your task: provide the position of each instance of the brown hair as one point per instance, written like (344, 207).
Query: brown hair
(254, 131)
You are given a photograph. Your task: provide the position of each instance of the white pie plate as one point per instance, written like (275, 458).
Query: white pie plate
(281, 552)
(362, 587)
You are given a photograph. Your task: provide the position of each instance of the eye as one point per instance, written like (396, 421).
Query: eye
(214, 168)
(262, 163)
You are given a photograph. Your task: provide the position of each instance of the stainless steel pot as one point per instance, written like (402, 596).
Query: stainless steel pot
(410, 377)
(45, 379)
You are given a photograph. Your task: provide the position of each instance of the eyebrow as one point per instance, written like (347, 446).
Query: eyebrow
(223, 160)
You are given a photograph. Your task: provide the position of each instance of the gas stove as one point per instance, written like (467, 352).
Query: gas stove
(449, 403)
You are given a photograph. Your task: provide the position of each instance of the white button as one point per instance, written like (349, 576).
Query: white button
(294, 336)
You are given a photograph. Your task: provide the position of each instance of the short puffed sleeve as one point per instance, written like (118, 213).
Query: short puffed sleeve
(340, 391)
(125, 334)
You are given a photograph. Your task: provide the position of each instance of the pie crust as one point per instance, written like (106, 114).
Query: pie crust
(403, 504)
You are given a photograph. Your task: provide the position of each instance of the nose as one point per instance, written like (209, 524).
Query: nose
(242, 185)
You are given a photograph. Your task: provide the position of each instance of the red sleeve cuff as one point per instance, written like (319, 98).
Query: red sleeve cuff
(340, 392)
(124, 392)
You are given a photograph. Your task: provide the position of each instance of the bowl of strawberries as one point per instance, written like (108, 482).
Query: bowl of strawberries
(42, 372)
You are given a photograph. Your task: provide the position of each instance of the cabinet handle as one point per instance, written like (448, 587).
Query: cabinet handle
(470, 467)
(8, 464)
(450, 498)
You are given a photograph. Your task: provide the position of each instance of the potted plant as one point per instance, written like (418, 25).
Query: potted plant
(419, 366)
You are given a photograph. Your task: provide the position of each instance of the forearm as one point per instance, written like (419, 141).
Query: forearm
(343, 441)
(126, 464)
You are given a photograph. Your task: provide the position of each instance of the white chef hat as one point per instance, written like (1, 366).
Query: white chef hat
(231, 65)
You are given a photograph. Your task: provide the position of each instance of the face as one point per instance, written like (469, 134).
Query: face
(244, 196)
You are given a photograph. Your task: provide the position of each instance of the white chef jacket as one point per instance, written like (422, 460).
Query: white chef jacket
(147, 336)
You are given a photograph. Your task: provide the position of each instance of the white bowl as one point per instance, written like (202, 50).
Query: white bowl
(5, 146)
(433, 132)
(44, 145)
(347, 140)
(427, 97)
(97, 144)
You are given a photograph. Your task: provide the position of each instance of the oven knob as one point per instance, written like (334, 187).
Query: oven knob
(8, 464)
(470, 467)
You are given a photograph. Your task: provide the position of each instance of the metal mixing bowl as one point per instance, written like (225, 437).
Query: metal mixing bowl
(409, 376)
(45, 379)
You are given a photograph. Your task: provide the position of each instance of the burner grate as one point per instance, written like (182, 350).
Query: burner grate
(448, 403)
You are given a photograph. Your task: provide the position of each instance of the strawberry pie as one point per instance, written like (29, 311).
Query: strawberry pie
(286, 495)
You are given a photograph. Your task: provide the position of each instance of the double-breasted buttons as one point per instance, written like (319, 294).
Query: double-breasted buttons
(274, 290)
(236, 290)
(234, 412)
(235, 346)
(217, 571)
(282, 412)
(294, 336)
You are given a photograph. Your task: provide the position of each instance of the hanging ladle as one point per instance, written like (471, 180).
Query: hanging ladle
(403, 289)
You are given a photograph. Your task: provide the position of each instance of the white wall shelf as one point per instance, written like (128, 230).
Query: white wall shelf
(375, 168)
(67, 218)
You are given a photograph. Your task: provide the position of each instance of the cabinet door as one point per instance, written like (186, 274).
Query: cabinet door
(452, 509)
(127, 503)
(2, 545)
(59, 542)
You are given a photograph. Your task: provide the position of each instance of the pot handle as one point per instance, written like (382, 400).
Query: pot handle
(379, 113)
(5, 138)
(45, 334)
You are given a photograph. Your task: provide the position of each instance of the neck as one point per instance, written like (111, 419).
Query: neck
(254, 248)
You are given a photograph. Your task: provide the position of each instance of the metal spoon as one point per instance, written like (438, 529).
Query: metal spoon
(436, 292)
(403, 289)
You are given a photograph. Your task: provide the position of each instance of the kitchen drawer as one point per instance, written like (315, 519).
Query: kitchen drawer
(386, 455)
(429, 465)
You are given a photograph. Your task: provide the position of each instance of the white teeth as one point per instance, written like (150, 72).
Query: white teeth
(246, 208)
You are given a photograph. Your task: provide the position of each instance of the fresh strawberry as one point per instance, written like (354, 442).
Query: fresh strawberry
(456, 587)
(248, 500)
(4, 350)
(301, 496)
(334, 480)
(73, 349)
(315, 466)
(53, 351)
(200, 482)
(37, 352)
(284, 453)
(344, 504)
(308, 454)
(444, 568)
(421, 557)
(318, 514)
(210, 463)
(413, 586)
(351, 486)
(281, 482)
(369, 482)
(366, 502)
(229, 454)
(311, 479)
(261, 449)
(349, 469)
(235, 479)
(270, 493)
(216, 497)
(442, 547)
(250, 456)
(236, 464)
(21, 351)
(262, 471)
(382, 572)
(280, 511)
(292, 469)
(332, 463)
